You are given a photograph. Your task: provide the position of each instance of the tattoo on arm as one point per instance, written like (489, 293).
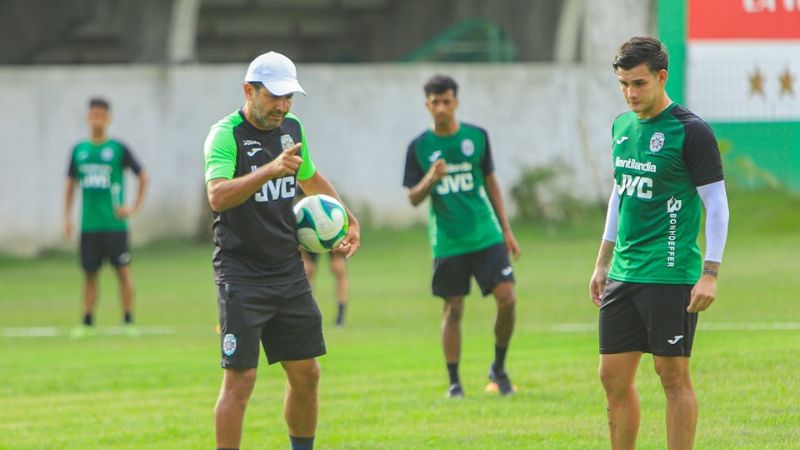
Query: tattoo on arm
(711, 268)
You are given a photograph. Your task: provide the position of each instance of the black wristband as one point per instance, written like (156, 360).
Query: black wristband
(713, 273)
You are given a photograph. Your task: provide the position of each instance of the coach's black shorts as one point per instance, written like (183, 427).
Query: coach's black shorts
(284, 319)
(101, 245)
(649, 318)
(490, 266)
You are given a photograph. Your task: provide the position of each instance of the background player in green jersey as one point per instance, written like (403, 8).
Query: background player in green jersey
(338, 267)
(452, 164)
(649, 280)
(255, 158)
(97, 164)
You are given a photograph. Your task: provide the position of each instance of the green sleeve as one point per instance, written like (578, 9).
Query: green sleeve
(307, 169)
(220, 153)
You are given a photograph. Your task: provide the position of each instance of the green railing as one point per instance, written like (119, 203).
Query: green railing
(471, 40)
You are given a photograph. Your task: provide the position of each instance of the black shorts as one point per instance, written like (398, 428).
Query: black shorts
(284, 319)
(648, 318)
(314, 256)
(490, 266)
(101, 245)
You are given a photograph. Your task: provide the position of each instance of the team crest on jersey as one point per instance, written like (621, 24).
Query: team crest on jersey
(467, 147)
(107, 154)
(286, 141)
(657, 142)
(229, 344)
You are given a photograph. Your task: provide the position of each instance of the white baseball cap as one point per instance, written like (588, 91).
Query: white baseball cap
(276, 72)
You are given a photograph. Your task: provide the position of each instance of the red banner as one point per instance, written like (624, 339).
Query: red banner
(743, 19)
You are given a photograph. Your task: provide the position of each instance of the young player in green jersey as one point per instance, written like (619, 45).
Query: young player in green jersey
(255, 159)
(97, 165)
(452, 164)
(649, 280)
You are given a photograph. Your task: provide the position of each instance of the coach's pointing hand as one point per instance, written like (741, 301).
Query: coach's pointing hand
(288, 161)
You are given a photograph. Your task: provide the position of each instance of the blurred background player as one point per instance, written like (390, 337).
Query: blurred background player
(650, 281)
(254, 159)
(470, 235)
(98, 164)
(338, 267)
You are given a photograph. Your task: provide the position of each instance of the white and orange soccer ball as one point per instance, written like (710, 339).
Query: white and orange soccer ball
(321, 223)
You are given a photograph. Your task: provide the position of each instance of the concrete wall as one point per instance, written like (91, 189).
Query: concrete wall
(359, 120)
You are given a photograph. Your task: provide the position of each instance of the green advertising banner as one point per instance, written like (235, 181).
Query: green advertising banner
(736, 63)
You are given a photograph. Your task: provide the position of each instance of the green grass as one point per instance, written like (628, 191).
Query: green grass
(383, 379)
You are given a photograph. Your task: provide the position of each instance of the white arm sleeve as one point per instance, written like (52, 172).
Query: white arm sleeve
(612, 217)
(715, 201)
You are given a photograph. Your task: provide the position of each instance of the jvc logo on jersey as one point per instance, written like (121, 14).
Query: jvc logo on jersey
(673, 206)
(96, 181)
(96, 176)
(276, 188)
(456, 182)
(641, 186)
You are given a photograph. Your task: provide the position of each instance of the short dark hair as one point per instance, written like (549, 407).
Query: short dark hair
(256, 84)
(97, 102)
(439, 84)
(642, 50)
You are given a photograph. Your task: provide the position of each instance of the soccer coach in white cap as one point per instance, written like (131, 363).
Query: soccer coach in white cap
(254, 158)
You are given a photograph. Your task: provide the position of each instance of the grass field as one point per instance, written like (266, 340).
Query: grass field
(383, 379)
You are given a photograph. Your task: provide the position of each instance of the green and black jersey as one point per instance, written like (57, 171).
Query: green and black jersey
(462, 218)
(658, 164)
(98, 167)
(256, 242)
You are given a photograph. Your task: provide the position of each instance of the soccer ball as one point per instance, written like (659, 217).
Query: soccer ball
(321, 223)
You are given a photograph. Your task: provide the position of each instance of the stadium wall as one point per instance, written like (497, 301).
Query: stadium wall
(359, 120)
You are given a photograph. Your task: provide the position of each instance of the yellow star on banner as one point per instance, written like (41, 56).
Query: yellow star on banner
(787, 83)
(757, 83)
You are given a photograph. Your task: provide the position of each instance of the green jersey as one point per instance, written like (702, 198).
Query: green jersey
(658, 164)
(462, 218)
(98, 168)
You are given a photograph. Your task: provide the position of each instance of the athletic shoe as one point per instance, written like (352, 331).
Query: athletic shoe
(501, 382)
(131, 330)
(455, 391)
(83, 331)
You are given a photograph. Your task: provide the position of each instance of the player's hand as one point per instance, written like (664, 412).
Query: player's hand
(288, 161)
(703, 294)
(123, 212)
(68, 228)
(511, 244)
(350, 243)
(598, 284)
(438, 170)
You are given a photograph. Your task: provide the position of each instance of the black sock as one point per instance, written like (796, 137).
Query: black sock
(499, 358)
(302, 443)
(128, 318)
(340, 314)
(452, 371)
(88, 320)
